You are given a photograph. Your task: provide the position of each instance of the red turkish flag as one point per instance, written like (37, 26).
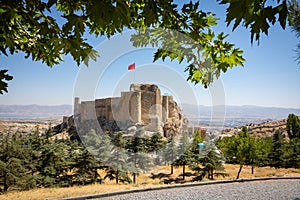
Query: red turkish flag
(131, 67)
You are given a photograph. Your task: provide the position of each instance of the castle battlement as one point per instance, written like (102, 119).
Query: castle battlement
(142, 104)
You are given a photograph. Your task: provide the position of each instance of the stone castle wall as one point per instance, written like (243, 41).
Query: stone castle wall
(135, 107)
(143, 104)
(165, 108)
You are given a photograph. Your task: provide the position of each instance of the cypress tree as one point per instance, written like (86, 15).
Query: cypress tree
(293, 126)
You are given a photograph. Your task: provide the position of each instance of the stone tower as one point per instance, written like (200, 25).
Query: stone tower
(143, 104)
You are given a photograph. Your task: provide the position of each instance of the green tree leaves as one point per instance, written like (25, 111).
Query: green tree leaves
(276, 153)
(293, 126)
(245, 149)
(13, 163)
(3, 78)
(294, 20)
(257, 15)
(241, 149)
(187, 35)
(48, 30)
(33, 29)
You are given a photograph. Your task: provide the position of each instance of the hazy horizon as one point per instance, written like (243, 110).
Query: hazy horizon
(262, 106)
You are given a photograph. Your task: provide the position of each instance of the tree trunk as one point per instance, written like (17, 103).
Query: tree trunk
(252, 169)
(95, 175)
(171, 168)
(5, 183)
(117, 177)
(134, 178)
(238, 175)
(183, 172)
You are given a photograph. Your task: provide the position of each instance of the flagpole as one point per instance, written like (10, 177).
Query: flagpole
(132, 67)
(134, 76)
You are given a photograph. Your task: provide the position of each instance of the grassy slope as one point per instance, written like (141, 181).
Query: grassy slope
(143, 181)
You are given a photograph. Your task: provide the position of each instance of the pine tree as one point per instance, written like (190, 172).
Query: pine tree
(104, 149)
(13, 171)
(139, 160)
(211, 162)
(184, 143)
(155, 145)
(119, 166)
(264, 148)
(100, 146)
(185, 157)
(170, 152)
(211, 159)
(291, 153)
(35, 144)
(86, 167)
(276, 154)
(55, 163)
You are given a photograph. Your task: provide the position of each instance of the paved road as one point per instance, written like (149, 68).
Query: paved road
(271, 189)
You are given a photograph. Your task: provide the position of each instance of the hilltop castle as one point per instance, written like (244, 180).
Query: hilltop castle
(142, 106)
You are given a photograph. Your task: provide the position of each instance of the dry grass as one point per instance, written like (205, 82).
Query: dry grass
(259, 172)
(143, 181)
(53, 193)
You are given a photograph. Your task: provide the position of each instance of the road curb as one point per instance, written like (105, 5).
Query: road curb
(109, 194)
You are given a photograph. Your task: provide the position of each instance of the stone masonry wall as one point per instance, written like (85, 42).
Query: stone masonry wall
(147, 101)
(135, 110)
(143, 104)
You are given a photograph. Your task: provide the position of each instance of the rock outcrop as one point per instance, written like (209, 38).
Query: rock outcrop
(265, 129)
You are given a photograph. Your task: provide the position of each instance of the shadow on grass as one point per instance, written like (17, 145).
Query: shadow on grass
(169, 179)
(160, 175)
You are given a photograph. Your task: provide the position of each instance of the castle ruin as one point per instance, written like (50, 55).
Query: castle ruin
(142, 106)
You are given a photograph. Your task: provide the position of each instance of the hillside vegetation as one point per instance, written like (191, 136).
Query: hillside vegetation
(50, 161)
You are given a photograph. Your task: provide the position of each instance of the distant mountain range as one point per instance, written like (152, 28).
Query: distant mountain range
(232, 116)
(225, 116)
(34, 111)
(247, 111)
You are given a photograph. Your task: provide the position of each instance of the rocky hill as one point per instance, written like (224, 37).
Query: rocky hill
(265, 129)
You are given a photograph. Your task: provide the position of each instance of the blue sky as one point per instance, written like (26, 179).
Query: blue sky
(270, 76)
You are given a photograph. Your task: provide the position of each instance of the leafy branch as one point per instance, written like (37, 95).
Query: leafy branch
(33, 28)
(3, 78)
(189, 37)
